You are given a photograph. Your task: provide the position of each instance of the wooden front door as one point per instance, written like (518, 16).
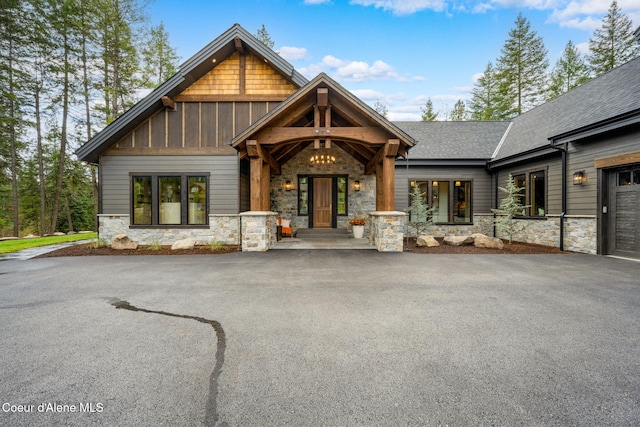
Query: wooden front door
(322, 197)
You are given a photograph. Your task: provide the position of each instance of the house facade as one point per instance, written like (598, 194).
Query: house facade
(238, 138)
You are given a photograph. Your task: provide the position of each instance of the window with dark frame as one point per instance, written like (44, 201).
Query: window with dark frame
(450, 200)
(534, 195)
(168, 199)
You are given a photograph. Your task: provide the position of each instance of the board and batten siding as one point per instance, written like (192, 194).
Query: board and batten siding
(481, 186)
(116, 184)
(552, 166)
(582, 199)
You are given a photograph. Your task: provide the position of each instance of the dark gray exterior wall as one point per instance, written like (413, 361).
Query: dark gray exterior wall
(481, 187)
(582, 199)
(223, 182)
(553, 169)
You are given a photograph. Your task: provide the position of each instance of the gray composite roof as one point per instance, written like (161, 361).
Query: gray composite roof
(454, 140)
(606, 97)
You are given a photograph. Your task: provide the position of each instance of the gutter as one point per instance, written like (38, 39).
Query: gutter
(563, 151)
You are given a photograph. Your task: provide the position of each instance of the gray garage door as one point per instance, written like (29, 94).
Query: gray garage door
(625, 226)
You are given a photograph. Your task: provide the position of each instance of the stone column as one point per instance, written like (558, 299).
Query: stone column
(387, 230)
(258, 230)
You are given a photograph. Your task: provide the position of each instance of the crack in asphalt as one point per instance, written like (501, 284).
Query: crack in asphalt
(211, 409)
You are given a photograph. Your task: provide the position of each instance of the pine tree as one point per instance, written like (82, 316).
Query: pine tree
(510, 207)
(522, 69)
(570, 71)
(486, 102)
(428, 115)
(420, 214)
(614, 43)
(459, 112)
(263, 35)
(159, 57)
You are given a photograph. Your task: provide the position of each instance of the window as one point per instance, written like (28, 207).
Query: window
(303, 195)
(534, 193)
(342, 195)
(629, 177)
(169, 199)
(450, 200)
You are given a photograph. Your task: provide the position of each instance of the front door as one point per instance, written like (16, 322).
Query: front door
(322, 197)
(624, 212)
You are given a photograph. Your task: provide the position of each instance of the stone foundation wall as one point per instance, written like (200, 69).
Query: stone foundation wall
(258, 230)
(580, 232)
(386, 231)
(224, 229)
(482, 223)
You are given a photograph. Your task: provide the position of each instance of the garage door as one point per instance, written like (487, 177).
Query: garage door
(625, 227)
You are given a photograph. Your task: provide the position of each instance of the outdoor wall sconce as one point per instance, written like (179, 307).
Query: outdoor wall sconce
(458, 184)
(287, 185)
(356, 185)
(578, 178)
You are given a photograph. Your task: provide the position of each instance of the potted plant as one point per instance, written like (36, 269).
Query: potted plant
(358, 227)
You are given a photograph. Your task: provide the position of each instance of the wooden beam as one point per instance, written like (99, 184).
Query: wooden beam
(169, 103)
(254, 149)
(255, 183)
(379, 188)
(390, 149)
(265, 194)
(276, 135)
(239, 47)
(623, 159)
(388, 183)
(322, 97)
(327, 125)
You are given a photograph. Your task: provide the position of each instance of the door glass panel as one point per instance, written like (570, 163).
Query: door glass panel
(537, 193)
(624, 178)
(342, 195)
(170, 206)
(142, 200)
(636, 177)
(197, 200)
(303, 196)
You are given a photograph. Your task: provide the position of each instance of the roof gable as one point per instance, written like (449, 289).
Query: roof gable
(191, 71)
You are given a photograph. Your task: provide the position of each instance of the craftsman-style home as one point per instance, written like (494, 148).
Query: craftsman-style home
(238, 141)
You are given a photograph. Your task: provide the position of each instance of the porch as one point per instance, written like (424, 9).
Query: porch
(310, 238)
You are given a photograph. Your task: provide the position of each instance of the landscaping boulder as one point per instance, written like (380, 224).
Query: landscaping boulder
(122, 241)
(488, 242)
(428, 241)
(458, 240)
(187, 243)
(59, 233)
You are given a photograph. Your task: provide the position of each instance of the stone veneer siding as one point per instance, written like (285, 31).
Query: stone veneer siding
(258, 230)
(482, 223)
(359, 202)
(222, 228)
(580, 232)
(387, 231)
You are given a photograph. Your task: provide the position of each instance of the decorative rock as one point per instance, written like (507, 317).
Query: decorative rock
(476, 235)
(59, 233)
(71, 232)
(32, 236)
(458, 240)
(428, 241)
(86, 232)
(188, 243)
(122, 241)
(488, 242)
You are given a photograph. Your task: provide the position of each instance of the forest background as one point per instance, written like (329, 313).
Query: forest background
(68, 68)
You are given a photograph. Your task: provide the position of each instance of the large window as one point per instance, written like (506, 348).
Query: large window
(450, 200)
(169, 199)
(534, 193)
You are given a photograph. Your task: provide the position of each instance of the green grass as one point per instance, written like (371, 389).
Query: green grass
(8, 246)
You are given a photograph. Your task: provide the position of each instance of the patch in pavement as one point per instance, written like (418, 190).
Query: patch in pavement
(211, 416)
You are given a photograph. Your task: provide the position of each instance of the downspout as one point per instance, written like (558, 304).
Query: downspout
(563, 150)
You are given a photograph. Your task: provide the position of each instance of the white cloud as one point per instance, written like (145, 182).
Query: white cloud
(368, 94)
(291, 53)
(355, 71)
(403, 7)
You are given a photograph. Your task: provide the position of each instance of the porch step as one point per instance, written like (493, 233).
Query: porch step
(321, 233)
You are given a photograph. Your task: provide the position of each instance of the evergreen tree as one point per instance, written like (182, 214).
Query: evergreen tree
(159, 57)
(570, 71)
(510, 207)
(428, 115)
(459, 112)
(486, 102)
(614, 43)
(380, 108)
(420, 214)
(522, 69)
(263, 35)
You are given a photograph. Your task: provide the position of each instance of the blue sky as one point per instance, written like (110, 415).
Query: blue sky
(400, 52)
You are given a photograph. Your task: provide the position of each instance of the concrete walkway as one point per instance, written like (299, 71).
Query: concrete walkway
(323, 239)
(39, 250)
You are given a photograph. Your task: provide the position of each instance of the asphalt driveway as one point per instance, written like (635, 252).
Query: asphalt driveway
(306, 338)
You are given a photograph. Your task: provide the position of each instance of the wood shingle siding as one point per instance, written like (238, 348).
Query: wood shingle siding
(223, 181)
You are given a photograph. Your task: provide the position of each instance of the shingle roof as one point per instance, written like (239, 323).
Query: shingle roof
(454, 140)
(605, 97)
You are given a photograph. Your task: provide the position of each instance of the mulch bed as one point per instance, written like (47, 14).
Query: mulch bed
(512, 248)
(410, 246)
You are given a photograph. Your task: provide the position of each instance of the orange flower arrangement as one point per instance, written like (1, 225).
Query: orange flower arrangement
(357, 221)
